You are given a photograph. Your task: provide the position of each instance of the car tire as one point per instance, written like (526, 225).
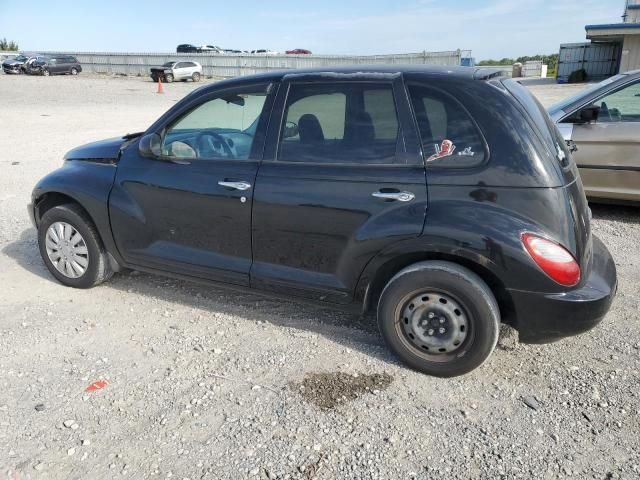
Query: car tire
(94, 268)
(168, 77)
(195, 77)
(45, 72)
(439, 318)
(74, 71)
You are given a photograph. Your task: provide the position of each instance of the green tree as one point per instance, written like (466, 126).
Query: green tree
(551, 60)
(8, 46)
(504, 61)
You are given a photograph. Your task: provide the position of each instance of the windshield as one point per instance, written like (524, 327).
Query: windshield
(21, 58)
(561, 105)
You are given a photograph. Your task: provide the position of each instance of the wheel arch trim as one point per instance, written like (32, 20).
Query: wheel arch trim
(387, 264)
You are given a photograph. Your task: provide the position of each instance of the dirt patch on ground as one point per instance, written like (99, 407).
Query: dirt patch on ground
(329, 390)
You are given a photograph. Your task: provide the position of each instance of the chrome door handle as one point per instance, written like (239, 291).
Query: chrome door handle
(400, 196)
(235, 185)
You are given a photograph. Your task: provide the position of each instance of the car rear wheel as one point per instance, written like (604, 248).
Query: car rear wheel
(439, 318)
(195, 77)
(168, 77)
(71, 247)
(74, 71)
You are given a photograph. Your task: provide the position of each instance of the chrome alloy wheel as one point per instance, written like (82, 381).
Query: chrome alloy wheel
(67, 250)
(434, 323)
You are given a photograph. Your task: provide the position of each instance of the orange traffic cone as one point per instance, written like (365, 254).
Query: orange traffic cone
(160, 90)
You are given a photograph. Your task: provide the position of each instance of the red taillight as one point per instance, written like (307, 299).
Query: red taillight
(553, 259)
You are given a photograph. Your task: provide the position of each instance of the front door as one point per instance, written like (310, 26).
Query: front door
(340, 182)
(189, 211)
(609, 149)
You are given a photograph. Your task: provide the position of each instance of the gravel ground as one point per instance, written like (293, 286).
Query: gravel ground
(201, 382)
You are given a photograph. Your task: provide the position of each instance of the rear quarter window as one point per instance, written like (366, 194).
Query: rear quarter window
(450, 138)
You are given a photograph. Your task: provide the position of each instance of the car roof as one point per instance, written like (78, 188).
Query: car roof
(365, 71)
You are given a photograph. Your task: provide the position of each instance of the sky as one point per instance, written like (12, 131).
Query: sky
(489, 28)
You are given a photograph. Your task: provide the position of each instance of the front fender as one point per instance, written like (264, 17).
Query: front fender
(87, 183)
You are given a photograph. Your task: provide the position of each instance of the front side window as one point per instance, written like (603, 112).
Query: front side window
(221, 128)
(340, 123)
(450, 139)
(620, 106)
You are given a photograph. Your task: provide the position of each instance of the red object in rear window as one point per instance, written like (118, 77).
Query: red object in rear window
(553, 259)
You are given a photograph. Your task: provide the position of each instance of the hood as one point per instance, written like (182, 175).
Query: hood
(102, 151)
(12, 62)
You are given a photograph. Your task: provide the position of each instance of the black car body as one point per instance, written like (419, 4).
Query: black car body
(354, 186)
(55, 65)
(14, 65)
(187, 48)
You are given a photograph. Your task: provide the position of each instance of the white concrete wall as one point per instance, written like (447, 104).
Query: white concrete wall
(630, 59)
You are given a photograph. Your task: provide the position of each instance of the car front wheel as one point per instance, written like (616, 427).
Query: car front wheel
(195, 77)
(45, 72)
(71, 247)
(168, 77)
(439, 318)
(74, 71)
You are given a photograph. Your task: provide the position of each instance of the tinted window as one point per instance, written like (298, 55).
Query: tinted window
(222, 128)
(620, 106)
(340, 123)
(450, 139)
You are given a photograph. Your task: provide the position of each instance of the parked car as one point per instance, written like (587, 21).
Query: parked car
(210, 49)
(171, 71)
(187, 48)
(298, 51)
(14, 65)
(265, 52)
(55, 65)
(442, 198)
(602, 126)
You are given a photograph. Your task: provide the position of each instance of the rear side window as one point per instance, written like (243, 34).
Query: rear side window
(340, 123)
(450, 139)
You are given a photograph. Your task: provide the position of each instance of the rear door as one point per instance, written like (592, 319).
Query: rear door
(609, 149)
(342, 179)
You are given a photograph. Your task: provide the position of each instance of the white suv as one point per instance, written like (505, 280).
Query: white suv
(171, 71)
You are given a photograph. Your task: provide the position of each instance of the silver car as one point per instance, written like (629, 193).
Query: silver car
(602, 125)
(170, 71)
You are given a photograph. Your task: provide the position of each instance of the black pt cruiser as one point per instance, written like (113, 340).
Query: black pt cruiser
(444, 199)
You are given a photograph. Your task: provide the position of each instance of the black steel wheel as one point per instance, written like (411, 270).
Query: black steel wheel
(439, 318)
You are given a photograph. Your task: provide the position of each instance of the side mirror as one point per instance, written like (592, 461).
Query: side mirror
(587, 114)
(150, 145)
(290, 130)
